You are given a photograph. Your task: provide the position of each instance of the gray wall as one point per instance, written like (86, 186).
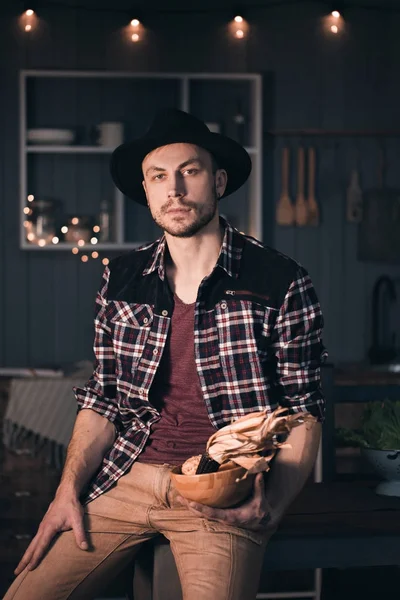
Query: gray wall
(312, 81)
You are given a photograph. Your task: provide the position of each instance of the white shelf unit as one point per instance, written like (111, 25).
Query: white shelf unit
(186, 99)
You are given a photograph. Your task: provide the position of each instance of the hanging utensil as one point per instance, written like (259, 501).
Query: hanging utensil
(284, 209)
(354, 197)
(300, 207)
(313, 210)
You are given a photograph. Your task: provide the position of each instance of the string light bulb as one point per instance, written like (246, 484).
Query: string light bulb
(136, 28)
(238, 26)
(334, 21)
(29, 17)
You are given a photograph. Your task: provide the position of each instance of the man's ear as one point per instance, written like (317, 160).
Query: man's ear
(221, 179)
(145, 191)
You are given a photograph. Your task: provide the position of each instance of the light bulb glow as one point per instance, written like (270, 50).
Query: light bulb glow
(74, 220)
(84, 258)
(64, 229)
(55, 240)
(41, 243)
(26, 223)
(135, 37)
(336, 14)
(28, 27)
(239, 19)
(95, 255)
(29, 12)
(75, 250)
(239, 33)
(105, 261)
(96, 229)
(81, 243)
(27, 210)
(135, 22)
(30, 198)
(94, 240)
(31, 237)
(334, 29)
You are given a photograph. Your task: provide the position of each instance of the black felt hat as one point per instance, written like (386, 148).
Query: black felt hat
(172, 126)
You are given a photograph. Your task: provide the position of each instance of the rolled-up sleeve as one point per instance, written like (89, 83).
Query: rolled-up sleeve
(100, 392)
(298, 347)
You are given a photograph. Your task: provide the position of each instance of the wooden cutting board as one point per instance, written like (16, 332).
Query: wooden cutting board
(379, 231)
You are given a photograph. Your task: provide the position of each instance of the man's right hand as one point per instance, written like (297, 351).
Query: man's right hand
(64, 513)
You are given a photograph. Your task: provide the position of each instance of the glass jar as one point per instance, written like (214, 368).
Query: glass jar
(40, 223)
(79, 227)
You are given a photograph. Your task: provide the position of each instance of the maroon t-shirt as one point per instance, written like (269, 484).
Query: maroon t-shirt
(184, 426)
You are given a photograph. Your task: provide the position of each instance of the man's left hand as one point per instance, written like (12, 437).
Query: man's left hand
(253, 514)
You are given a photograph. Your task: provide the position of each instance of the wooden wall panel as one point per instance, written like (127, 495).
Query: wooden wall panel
(314, 80)
(15, 313)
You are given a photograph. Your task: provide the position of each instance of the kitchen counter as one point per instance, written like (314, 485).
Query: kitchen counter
(361, 382)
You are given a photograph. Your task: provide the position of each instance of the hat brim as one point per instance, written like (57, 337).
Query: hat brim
(126, 161)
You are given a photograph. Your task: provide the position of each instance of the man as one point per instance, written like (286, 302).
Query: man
(198, 328)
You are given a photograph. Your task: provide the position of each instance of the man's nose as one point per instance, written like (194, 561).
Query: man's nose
(177, 186)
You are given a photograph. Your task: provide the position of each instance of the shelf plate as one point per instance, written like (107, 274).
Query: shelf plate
(53, 148)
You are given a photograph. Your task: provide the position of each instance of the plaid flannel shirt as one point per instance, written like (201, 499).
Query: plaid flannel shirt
(257, 337)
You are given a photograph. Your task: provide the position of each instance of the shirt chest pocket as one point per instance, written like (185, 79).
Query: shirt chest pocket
(130, 327)
(244, 329)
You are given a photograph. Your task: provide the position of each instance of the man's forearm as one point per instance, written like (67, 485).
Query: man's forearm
(92, 436)
(291, 468)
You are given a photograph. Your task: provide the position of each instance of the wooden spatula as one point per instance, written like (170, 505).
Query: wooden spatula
(301, 207)
(313, 210)
(284, 209)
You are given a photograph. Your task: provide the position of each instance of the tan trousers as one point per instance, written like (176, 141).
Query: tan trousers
(213, 560)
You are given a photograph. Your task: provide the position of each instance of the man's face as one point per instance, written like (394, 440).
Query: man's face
(182, 190)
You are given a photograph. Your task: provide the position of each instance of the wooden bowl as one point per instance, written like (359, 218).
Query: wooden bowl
(219, 489)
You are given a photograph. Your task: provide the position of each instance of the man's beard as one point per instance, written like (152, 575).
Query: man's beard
(187, 231)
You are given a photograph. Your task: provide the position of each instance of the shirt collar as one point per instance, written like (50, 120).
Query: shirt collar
(228, 259)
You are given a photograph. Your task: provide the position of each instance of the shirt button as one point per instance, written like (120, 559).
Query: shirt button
(155, 351)
(141, 391)
(164, 313)
(223, 305)
(145, 320)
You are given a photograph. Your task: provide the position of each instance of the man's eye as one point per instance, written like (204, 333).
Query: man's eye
(190, 171)
(159, 176)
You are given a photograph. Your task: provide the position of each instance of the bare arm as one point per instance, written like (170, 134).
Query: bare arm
(92, 436)
(291, 468)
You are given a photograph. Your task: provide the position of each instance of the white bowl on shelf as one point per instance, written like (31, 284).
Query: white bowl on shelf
(50, 136)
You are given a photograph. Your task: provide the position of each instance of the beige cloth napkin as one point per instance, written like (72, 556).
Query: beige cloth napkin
(41, 414)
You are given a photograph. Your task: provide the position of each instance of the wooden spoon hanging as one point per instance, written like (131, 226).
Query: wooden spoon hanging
(284, 209)
(313, 210)
(301, 208)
